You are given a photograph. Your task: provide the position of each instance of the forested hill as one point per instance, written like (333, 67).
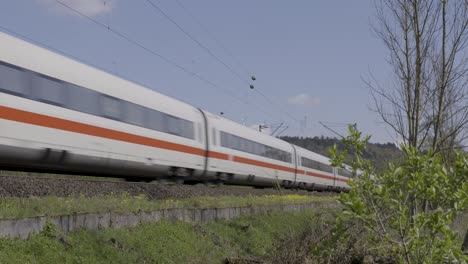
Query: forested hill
(379, 154)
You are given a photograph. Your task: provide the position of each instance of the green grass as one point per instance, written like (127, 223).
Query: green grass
(11, 208)
(162, 242)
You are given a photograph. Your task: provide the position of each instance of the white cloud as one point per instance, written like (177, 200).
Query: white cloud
(304, 100)
(87, 7)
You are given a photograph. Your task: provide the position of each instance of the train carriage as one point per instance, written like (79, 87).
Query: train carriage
(247, 155)
(58, 112)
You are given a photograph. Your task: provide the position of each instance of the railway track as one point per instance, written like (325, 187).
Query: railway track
(38, 185)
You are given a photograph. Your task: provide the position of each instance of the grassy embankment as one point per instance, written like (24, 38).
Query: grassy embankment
(259, 237)
(11, 208)
(275, 238)
(266, 237)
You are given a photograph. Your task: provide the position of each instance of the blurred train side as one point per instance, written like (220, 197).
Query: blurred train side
(59, 114)
(121, 148)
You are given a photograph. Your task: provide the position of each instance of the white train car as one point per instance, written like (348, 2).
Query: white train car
(317, 172)
(59, 113)
(242, 154)
(345, 175)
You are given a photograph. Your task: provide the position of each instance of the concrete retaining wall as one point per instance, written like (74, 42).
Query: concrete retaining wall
(22, 228)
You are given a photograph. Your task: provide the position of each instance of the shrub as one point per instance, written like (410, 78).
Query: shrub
(407, 210)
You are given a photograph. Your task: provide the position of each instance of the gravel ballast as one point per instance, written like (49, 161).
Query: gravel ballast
(30, 186)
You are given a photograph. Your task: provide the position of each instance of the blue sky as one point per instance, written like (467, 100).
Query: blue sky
(309, 57)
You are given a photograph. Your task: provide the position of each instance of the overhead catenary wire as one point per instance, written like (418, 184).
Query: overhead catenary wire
(332, 130)
(186, 33)
(336, 124)
(160, 56)
(220, 45)
(157, 8)
(270, 101)
(125, 37)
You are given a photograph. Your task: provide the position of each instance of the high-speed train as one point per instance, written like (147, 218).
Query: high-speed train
(57, 114)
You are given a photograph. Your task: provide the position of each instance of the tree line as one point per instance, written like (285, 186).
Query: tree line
(380, 154)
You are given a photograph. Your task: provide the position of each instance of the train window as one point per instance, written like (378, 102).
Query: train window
(179, 127)
(286, 156)
(260, 149)
(48, 90)
(239, 143)
(244, 145)
(16, 81)
(312, 164)
(344, 172)
(326, 168)
(229, 141)
(279, 155)
(82, 99)
(251, 146)
(223, 138)
(13, 80)
(156, 120)
(134, 114)
(110, 107)
(234, 142)
(173, 125)
(188, 128)
(269, 152)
